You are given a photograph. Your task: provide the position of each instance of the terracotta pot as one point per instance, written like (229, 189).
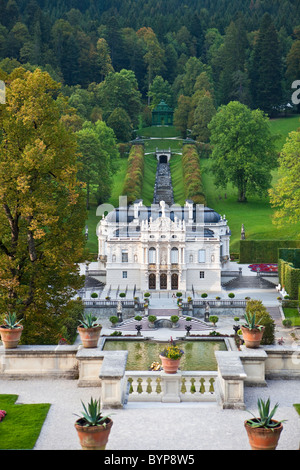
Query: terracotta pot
(10, 336)
(170, 366)
(89, 336)
(93, 437)
(253, 337)
(263, 438)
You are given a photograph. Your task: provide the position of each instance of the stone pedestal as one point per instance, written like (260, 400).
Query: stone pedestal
(171, 384)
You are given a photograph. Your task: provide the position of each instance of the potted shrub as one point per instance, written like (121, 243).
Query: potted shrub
(138, 318)
(94, 295)
(151, 319)
(252, 332)
(213, 319)
(170, 358)
(11, 331)
(114, 319)
(89, 330)
(174, 319)
(92, 428)
(264, 432)
(204, 295)
(122, 295)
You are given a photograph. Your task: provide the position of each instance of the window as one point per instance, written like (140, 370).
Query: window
(124, 256)
(201, 274)
(201, 256)
(124, 274)
(174, 256)
(152, 256)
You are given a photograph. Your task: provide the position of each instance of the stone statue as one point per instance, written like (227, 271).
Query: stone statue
(243, 236)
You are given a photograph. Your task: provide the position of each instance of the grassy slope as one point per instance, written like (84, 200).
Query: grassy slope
(256, 214)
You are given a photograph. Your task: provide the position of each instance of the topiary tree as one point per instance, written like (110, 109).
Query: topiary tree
(213, 319)
(263, 318)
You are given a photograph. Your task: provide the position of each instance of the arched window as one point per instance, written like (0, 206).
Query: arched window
(174, 256)
(152, 256)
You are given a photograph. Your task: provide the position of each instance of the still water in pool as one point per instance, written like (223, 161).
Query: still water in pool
(198, 355)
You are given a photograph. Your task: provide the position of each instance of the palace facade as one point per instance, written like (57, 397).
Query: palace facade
(161, 248)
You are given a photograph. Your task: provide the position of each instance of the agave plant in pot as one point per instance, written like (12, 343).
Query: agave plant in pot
(92, 428)
(170, 357)
(11, 331)
(252, 331)
(89, 330)
(264, 431)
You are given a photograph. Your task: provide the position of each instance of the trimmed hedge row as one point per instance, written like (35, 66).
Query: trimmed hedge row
(192, 179)
(289, 272)
(133, 183)
(264, 251)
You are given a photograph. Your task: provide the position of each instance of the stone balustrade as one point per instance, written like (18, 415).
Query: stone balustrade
(182, 386)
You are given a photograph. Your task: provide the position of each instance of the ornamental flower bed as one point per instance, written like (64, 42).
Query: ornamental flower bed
(264, 268)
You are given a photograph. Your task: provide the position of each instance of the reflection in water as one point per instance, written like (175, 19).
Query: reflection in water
(199, 355)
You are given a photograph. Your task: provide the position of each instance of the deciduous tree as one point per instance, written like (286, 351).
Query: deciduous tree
(285, 195)
(42, 213)
(243, 149)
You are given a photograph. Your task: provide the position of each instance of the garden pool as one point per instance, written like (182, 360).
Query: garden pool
(198, 354)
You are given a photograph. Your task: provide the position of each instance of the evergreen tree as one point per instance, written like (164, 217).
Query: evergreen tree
(266, 69)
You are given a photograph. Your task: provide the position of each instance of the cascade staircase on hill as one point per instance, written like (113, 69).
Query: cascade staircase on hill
(163, 189)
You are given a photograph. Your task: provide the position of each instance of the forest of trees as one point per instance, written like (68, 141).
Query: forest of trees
(117, 59)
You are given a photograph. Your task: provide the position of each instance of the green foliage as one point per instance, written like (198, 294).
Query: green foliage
(243, 149)
(192, 175)
(172, 351)
(266, 415)
(174, 318)
(284, 196)
(152, 318)
(113, 319)
(92, 414)
(26, 420)
(264, 251)
(289, 271)
(251, 321)
(11, 321)
(138, 318)
(44, 201)
(263, 318)
(88, 320)
(213, 319)
(135, 171)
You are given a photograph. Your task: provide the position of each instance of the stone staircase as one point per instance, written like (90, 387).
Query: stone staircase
(163, 189)
(249, 282)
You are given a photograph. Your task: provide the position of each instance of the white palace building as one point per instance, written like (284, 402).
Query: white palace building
(161, 248)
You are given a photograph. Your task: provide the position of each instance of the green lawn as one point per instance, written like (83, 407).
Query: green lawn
(282, 127)
(293, 315)
(22, 424)
(177, 180)
(160, 131)
(256, 214)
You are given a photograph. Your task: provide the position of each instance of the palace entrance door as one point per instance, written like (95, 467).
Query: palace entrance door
(163, 281)
(174, 281)
(152, 281)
